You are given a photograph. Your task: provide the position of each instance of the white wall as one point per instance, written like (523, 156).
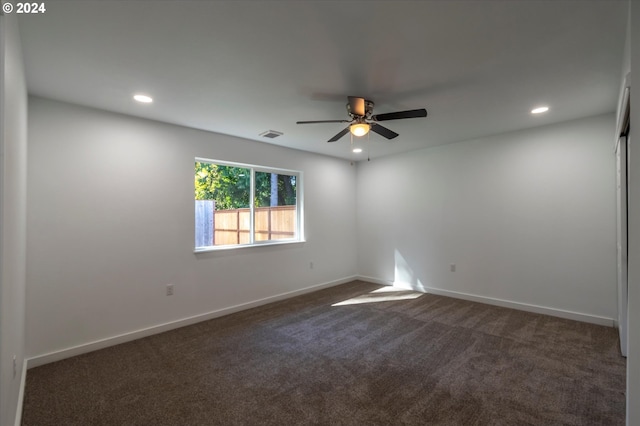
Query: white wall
(526, 217)
(633, 356)
(111, 222)
(13, 203)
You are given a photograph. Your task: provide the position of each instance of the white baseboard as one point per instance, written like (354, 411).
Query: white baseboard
(374, 280)
(23, 383)
(47, 358)
(577, 316)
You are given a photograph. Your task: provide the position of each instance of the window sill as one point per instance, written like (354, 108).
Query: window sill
(244, 246)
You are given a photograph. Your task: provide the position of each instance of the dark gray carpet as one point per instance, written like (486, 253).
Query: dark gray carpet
(429, 360)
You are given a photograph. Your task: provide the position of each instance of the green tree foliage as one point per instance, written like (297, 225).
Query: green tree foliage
(230, 187)
(286, 189)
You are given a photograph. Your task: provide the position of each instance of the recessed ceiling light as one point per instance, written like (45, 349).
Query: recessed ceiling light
(143, 99)
(540, 110)
(357, 150)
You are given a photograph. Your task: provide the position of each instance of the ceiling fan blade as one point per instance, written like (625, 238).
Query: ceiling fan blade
(356, 105)
(339, 135)
(323, 121)
(413, 113)
(383, 131)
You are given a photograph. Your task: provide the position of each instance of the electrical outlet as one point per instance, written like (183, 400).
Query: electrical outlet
(452, 267)
(169, 289)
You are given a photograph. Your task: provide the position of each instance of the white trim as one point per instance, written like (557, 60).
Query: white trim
(560, 313)
(23, 383)
(209, 249)
(252, 209)
(374, 280)
(47, 358)
(623, 107)
(257, 167)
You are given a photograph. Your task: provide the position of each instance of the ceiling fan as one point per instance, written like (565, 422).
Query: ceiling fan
(362, 119)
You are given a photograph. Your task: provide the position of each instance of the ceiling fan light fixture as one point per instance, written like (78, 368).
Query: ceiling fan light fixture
(359, 129)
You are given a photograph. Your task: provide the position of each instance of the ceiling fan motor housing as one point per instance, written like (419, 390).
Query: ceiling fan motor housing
(368, 109)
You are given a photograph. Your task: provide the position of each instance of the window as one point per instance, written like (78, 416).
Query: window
(241, 204)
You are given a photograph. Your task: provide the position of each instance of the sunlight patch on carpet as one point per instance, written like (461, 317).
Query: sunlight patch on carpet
(383, 294)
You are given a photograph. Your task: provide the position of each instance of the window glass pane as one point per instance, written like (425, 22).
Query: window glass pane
(275, 206)
(222, 195)
(235, 204)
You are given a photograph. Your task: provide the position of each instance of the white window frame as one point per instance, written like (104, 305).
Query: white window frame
(253, 168)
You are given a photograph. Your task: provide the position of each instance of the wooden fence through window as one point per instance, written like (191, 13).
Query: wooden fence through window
(232, 227)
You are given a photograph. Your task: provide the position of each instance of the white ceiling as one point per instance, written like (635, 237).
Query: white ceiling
(244, 67)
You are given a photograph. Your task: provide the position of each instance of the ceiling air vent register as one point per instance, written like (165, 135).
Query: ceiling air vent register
(271, 134)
